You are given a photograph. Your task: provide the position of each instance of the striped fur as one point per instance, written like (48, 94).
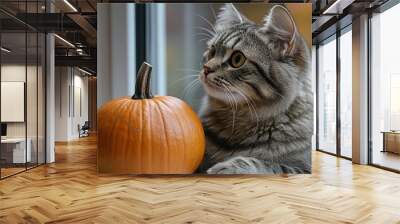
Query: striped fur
(258, 118)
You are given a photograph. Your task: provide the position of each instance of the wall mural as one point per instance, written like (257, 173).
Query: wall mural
(255, 115)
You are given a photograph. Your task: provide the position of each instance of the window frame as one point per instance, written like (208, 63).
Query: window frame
(334, 37)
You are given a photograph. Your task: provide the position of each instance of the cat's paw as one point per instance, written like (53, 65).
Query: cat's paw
(237, 165)
(222, 168)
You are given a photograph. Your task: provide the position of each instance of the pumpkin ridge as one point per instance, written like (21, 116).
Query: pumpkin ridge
(116, 123)
(122, 121)
(141, 134)
(132, 142)
(178, 119)
(200, 135)
(131, 107)
(112, 128)
(167, 107)
(184, 108)
(164, 130)
(148, 133)
(150, 130)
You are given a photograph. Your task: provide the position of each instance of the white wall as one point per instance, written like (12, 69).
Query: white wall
(62, 82)
(79, 117)
(71, 93)
(12, 73)
(34, 125)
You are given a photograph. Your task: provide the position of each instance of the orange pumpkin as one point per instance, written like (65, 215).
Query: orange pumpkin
(148, 135)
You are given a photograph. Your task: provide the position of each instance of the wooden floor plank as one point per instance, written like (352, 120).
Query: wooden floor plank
(70, 191)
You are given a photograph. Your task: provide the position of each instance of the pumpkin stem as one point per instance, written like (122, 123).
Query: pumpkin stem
(142, 88)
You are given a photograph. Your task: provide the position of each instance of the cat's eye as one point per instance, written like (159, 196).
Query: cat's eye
(237, 59)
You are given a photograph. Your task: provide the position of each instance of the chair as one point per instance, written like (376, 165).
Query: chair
(84, 130)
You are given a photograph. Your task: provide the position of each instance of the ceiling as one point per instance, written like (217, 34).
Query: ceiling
(75, 23)
(332, 15)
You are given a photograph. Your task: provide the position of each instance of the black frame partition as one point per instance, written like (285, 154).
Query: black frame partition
(334, 37)
(27, 50)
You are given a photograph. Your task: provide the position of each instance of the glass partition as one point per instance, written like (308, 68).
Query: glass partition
(13, 94)
(22, 77)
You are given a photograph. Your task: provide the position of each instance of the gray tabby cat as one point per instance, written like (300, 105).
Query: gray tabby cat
(258, 112)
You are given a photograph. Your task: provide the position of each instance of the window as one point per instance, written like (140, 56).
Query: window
(327, 96)
(385, 89)
(334, 106)
(346, 93)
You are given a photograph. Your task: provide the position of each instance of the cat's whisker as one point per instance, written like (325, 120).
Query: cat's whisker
(228, 96)
(248, 98)
(213, 11)
(249, 103)
(204, 39)
(280, 95)
(188, 91)
(188, 69)
(248, 83)
(205, 29)
(234, 110)
(183, 78)
(189, 87)
(208, 22)
(243, 95)
(251, 107)
(204, 35)
(276, 92)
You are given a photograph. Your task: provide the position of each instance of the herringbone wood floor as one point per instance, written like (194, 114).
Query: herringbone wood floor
(70, 191)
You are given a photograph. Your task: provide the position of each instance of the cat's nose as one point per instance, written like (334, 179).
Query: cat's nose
(207, 70)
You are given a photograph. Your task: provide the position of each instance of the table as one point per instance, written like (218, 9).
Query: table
(13, 150)
(391, 141)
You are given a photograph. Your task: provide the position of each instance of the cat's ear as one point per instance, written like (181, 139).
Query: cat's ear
(280, 26)
(229, 16)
